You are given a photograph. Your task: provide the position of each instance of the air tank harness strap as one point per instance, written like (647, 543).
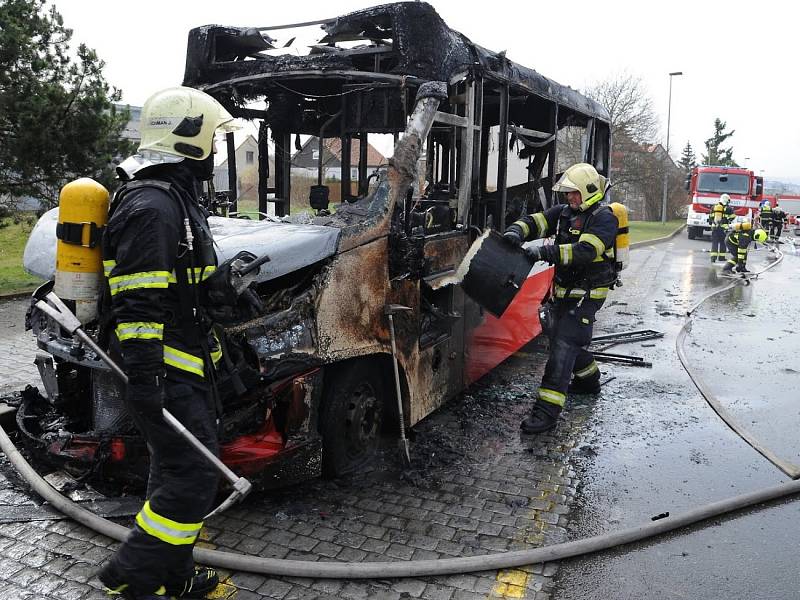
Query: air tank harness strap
(73, 233)
(189, 300)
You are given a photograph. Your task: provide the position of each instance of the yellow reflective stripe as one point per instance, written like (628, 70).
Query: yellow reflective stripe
(140, 330)
(117, 590)
(216, 354)
(586, 371)
(552, 396)
(565, 252)
(595, 241)
(526, 231)
(135, 281)
(594, 293)
(108, 265)
(167, 530)
(541, 224)
(561, 292)
(200, 274)
(183, 360)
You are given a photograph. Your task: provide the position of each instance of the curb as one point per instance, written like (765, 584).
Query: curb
(16, 295)
(658, 240)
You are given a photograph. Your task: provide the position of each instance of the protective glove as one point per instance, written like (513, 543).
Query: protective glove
(513, 237)
(534, 253)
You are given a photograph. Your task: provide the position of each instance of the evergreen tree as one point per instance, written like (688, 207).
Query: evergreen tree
(57, 118)
(687, 161)
(715, 153)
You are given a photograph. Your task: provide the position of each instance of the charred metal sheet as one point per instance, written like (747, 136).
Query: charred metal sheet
(495, 272)
(423, 46)
(290, 246)
(350, 317)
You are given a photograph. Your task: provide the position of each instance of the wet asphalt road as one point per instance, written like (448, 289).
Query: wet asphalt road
(653, 445)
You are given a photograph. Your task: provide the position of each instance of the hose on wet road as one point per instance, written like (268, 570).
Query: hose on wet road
(748, 436)
(419, 568)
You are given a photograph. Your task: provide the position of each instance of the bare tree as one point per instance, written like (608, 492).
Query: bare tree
(630, 107)
(637, 164)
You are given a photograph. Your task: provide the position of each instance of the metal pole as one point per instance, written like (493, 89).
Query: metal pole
(667, 158)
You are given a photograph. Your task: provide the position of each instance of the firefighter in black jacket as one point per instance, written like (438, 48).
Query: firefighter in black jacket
(737, 242)
(157, 248)
(583, 254)
(776, 224)
(720, 219)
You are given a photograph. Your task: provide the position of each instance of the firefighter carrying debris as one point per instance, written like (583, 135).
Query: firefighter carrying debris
(586, 268)
(157, 248)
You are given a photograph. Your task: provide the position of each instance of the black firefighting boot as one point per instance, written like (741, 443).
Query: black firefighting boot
(543, 417)
(116, 588)
(727, 268)
(578, 386)
(203, 581)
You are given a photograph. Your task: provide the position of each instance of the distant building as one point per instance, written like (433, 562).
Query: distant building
(246, 169)
(305, 162)
(131, 130)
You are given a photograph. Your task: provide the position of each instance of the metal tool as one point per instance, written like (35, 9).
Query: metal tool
(635, 361)
(53, 306)
(390, 310)
(606, 341)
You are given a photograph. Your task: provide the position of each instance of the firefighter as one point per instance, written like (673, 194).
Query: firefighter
(720, 219)
(776, 224)
(738, 241)
(765, 216)
(157, 248)
(583, 255)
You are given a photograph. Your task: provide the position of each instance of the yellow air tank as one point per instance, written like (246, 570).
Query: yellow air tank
(82, 215)
(622, 245)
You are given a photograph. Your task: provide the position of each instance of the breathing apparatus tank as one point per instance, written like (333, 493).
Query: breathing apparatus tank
(622, 242)
(82, 215)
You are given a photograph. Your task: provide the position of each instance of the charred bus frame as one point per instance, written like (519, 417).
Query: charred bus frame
(497, 144)
(315, 357)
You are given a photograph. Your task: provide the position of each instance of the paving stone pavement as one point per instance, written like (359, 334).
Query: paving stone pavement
(17, 347)
(475, 487)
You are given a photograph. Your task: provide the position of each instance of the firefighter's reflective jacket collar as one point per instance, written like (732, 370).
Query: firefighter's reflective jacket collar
(131, 166)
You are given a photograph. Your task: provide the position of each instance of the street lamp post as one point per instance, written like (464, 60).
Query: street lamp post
(666, 158)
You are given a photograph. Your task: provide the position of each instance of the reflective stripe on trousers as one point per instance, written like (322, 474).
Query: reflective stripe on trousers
(167, 530)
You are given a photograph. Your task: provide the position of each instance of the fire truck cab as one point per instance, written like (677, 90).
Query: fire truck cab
(705, 184)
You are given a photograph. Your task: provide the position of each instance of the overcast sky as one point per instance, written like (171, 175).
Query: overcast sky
(738, 58)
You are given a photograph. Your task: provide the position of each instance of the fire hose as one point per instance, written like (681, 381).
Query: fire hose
(787, 467)
(418, 568)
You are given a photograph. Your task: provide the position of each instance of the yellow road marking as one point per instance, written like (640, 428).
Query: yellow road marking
(511, 583)
(223, 591)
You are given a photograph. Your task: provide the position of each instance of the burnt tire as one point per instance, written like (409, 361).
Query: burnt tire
(352, 417)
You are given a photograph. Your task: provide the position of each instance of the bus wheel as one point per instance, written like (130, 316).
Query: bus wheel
(351, 418)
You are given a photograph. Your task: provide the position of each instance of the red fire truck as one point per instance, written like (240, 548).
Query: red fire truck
(705, 184)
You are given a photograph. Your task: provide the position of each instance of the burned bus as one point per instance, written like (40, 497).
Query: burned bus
(307, 380)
